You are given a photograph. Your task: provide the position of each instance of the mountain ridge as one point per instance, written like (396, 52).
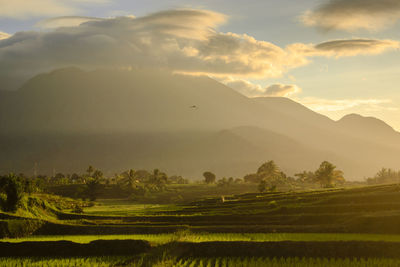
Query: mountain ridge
(167, 120)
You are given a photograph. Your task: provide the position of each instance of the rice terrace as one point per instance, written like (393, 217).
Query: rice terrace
(288, 225)
(200, 133)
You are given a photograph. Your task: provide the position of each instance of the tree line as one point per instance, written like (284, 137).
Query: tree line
(269, 177)
(89, 185)
(385, 176)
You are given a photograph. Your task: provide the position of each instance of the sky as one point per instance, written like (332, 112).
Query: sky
(334, 56)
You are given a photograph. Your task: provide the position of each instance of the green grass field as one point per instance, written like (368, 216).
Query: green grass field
(122, 207)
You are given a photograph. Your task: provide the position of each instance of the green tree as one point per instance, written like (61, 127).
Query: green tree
(13, 190)
(209, 177)
(327, 175)
(90, 170)
(157, 181)
(223, 182)
(268, 185)
(268, 169)
(251, 178)
(97, 174)
(93, 188)
(271, 176)
(129, 180)
(262, 186)
(306, 177)
(385, 175)
(75, 178)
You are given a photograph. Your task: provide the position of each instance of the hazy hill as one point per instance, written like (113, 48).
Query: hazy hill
(68, 119)
(370, 128)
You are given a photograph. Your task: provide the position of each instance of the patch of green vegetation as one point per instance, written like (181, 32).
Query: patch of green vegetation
(44, 207)
(18, 227)
(84, 239)
(60, 262)
(32, 212)
(187, 236)
(124, 207)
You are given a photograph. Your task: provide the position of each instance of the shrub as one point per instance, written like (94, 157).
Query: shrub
(13, 190)
(18, 228)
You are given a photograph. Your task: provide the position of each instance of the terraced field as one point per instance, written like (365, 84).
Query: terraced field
(186, 236)
(305, 228)
(286, 262)
(358, 210)
(204, 262)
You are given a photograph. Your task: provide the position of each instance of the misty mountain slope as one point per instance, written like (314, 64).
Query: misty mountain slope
(124, 101)
(186, 153)
(233, 152)
(69, 118)
(284, 149)
(369, 127)
(354, 140)
(293, 109)
(140, 101)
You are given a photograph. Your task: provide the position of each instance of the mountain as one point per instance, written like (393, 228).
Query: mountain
(120, 119)
(370, 128)
(122, 101)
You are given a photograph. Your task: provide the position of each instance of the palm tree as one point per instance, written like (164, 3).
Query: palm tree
(131, 178)
(90, 170)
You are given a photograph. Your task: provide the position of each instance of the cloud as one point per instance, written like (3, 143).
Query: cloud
(65, 21)
(183, 40)
(22, 9)
(178, 40)
(355, 47)
(351, 15)
(243, 86)
(4, 35)
(323, 105)
(282, 90)
(250, 89)
(345, 48)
